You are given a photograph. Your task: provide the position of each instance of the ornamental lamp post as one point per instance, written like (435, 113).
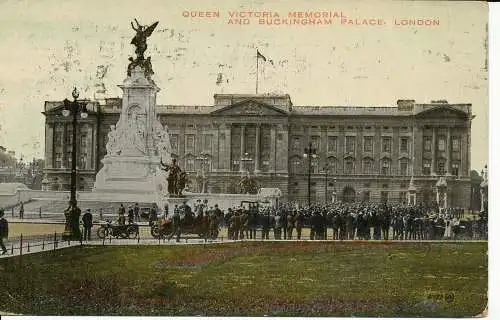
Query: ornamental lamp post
(72, 213)
(309, 153)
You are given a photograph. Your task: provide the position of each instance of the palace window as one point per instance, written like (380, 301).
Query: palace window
(83, 162)
(454, 169)
(295, 165)
(332, 144)
(207, 142)
(295, 144)
(69, 135)
(235, 165)
(349, 166)
(441, 167)
(81, 184)
(315, 142)
(350, 144)
(58, 138)
(368, 144)
(427, 144)
(386, 145)
(190, 164)
(367, 166)
(68, 158)
(174, 143)
(83, 141)
(403, 147)
(314, 165)
(403, 167)
(441, 144)
(455, 144)
(386, 167)
(58, 161)
(332, 165)
(190, 143)
(427, 167)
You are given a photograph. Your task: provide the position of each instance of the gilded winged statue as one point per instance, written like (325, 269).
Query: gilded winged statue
(139, 40)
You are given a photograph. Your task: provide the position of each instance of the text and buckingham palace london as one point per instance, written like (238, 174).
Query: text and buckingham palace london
(374, 154)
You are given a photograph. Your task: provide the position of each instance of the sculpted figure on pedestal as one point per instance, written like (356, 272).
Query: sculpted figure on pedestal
(111, 146)
(176, 178)
(141, 35)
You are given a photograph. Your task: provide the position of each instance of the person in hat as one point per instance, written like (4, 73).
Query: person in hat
(87, 224)
(4, 231)
(137, 209)
(130, 215)
(21, 210)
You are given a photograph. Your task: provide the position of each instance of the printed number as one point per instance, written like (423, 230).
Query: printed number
(449, 297)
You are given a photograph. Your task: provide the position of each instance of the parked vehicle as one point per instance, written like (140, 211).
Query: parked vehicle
(126, 231)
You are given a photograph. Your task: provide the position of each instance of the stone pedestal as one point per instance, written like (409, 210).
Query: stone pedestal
(128, 174)
(136, 144)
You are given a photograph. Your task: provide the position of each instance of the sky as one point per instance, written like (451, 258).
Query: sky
(49, 46)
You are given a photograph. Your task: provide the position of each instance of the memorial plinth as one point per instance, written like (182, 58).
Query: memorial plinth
(136, 144)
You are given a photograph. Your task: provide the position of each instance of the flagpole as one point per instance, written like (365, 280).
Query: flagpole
(257, 78)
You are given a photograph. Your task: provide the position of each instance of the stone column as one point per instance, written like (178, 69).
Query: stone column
(396, 149)
(323, 160)
(227, 146)
(341, 149)
(433, 151)
(182, 144)
(64, 145)
(448, 151)
(358, 150)
(463, 153)
(282, 148)
(257, 148)
(417, 151)
(49, 146)
(242, 146)
(273, 149)
(95, 157)
(90, 147)
(377, 151)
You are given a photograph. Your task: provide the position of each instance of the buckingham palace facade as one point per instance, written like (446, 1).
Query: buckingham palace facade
(360, 153)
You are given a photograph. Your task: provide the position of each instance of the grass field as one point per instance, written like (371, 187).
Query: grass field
(251, 279)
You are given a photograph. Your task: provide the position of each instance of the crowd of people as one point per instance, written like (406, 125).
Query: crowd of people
(350, 221)
(337, 221)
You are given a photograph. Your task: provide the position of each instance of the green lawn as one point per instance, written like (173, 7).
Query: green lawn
(254, 279)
